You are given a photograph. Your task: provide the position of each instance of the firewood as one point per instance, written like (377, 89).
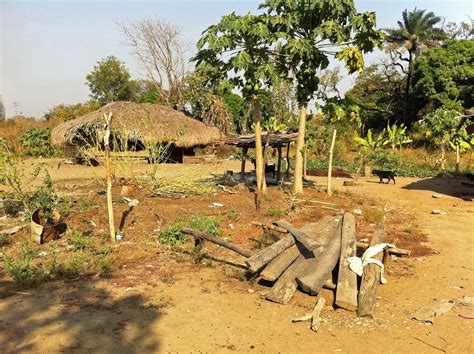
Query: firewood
(312, 278)
(346, 291)
(371, 278)
(278, 264)
(393, 250)
(284, 288)
(260, 259)
(202, 235)
(315, 322)
(300, 236)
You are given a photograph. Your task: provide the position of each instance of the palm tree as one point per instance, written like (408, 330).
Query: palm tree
(415, 34)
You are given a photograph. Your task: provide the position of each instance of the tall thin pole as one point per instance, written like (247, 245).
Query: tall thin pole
(108, 168)
(331, 152)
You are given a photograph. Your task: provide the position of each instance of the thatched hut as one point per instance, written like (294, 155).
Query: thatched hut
(139, 126)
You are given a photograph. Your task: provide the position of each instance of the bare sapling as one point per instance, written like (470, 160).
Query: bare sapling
(108, 169)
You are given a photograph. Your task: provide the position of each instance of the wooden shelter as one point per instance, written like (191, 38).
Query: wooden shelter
(275, 140)
(139, 125)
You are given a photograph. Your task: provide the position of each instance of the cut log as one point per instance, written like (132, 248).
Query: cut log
(312, 278)
(259, 260)
(204, 236)
(300, 236)
(278, 264)
(346, 290)
(371, 278)
(395, 251)
(283, 290)
(315, 322)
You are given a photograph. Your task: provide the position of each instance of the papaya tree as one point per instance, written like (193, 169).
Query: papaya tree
(309, 33)
(239, 47)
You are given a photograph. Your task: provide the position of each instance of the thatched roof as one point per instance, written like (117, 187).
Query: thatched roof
(145, 122)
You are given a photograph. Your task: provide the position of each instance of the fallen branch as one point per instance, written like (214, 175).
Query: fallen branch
(270, 227)
(225, 189)
(204, 236)
(395, 251)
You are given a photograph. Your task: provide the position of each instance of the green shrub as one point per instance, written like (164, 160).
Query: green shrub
(23, 269)
(80, 241)
(172, 235)
(36, 142)
(206, 224)
(387, 160)
(276, 212)
(323, 165)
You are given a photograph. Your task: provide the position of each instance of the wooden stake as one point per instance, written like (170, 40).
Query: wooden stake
(331, 152)
(287, 173)
(278, 175)
(315, 322)
(108, 168)
(370, 278)
(242, 166)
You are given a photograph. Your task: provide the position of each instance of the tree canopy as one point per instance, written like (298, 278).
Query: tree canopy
(110, 81)
(445, 76)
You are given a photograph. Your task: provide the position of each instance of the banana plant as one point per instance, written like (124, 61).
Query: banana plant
(372, 141)
(396, 135)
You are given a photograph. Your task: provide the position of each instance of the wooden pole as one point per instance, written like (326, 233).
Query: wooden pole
(371, 278)
(287, 173)
(346, 290)
(108, 168)
(278, 176)
(331, 152)
(245, 149)
(458, 159)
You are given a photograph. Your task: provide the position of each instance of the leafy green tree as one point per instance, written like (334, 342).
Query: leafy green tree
(309, 32)
(445, 76)
(110, 81)
(442, 127)
(416, 33)
(378, 92)
(238, 47)
(67, 112)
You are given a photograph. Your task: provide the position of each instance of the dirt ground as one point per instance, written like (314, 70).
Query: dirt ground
(166, 303)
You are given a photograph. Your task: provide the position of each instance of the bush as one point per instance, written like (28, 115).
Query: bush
(324, 165)
(172, 235)
(387, 160)
(22, 268)
(36, 142)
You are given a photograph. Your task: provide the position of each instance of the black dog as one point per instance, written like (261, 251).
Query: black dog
(388, 175)
(268, 168)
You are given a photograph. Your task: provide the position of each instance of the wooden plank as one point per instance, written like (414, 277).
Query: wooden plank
(300, 236)
(370, 278)
(259, 260)
(346, 290)
(284, 288)
(202, 235)
(312, 278)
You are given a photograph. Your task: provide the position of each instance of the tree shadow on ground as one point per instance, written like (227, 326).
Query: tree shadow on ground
(81, 316)
(452, 186)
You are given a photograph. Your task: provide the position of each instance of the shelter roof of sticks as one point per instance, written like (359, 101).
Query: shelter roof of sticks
(149, 123)
(276, 139)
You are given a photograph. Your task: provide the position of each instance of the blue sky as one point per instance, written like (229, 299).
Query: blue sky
(48, 47)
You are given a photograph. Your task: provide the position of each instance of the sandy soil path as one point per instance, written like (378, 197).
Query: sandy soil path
(208, 312)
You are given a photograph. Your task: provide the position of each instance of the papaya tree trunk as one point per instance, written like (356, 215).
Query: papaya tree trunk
(298, 175)
(458, 159)
(443, 153)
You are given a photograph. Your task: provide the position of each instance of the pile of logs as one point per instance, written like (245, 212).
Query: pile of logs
(315, 257)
